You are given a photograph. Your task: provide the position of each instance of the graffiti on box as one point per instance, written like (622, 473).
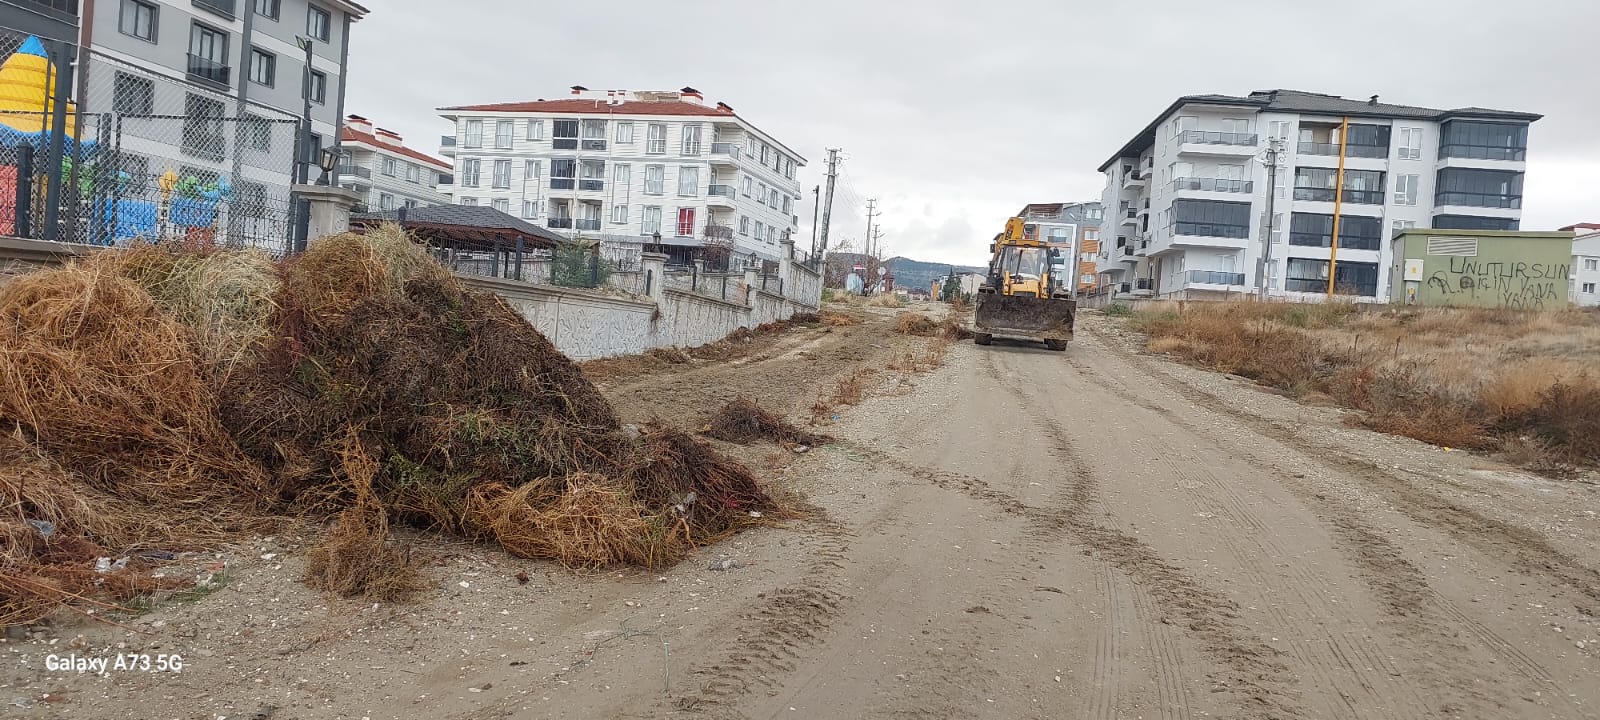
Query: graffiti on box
(1516, 285)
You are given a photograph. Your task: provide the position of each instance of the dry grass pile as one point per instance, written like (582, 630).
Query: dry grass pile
(177, 399)
(1525, 382)
(928, 358)
(914, 323)
(837, 319)
(743, 421)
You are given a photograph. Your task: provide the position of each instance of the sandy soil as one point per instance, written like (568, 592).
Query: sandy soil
(1022, 534)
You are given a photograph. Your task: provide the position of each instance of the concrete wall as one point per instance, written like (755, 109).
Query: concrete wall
(1482, 268)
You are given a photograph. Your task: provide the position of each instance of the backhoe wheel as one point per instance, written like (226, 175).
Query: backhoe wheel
(1057, 345)
(983, 338)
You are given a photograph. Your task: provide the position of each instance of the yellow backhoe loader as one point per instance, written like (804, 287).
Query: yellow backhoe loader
(1022, 299)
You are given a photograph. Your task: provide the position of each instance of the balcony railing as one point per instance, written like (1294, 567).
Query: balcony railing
(588, 224)
(1201, 229)
(360, 172)
(1214, 277)
(224, 8)
(1483, 200)
(1358, 197)
(1144, 284)
(1351, 150)
(594, 144)
(1206, 137)
(729, 149)
(447, 141)
(564, 143)
(562, 183)
(1346, 242)
(1482, 152)
(208, 70)
(719, 232)
(1213, 185)
(726, 191)
(1132, 214)
(1127, 251)
(593, 185)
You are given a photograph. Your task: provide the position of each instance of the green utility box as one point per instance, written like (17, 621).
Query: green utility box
(1481, 268)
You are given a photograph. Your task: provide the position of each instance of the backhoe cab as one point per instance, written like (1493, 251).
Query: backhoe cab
(1022, 299)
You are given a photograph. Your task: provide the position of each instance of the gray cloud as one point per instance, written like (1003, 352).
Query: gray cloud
(955, 114)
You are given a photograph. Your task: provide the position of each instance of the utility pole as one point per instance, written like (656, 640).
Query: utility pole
(816, 203)
(827, 206)
(871, 208)
(1263, 284)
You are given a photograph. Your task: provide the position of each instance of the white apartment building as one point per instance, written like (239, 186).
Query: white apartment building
(376, 163)
(1189, 193)
(1585, 287)
(629, 166)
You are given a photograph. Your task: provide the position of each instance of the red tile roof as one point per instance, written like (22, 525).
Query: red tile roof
(349, 135)
(629, 107)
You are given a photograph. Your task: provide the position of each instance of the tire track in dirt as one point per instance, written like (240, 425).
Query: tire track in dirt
(1259, 684)
(1423, 612)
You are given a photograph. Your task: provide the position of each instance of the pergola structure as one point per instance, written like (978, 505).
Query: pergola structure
(463, 230)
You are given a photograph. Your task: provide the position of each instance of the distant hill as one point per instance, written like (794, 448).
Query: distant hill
(908, 272)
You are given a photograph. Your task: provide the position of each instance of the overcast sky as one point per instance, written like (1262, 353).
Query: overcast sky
(956, 114)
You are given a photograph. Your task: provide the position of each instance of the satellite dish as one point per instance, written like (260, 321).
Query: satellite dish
(882, 271)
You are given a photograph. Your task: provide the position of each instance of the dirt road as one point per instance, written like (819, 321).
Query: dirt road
(1098, 533)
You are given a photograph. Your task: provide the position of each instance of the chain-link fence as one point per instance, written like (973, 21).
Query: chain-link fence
(95, 150)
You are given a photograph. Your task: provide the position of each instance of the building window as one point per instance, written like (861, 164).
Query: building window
(691, 139)
(619, 214)
(530, 208)
(1483, 140)
(592, 176)
(1362, 187)
(257, 132)
(655, 179)
(202, 127)
(318, 22)
(267, 8)
(413, 173)
(1356, 232)
(761, 193)
(474, 134)
(1091, 234)
(761, 229)
(565, 135)
(470, 169)
(1399, 225)
(319, 87)
(1591, 264)
(1280, 129)
(501, 204)
(621, 182)
(652, 219)
(535, 129)
(388, 166)
(502, 174)
(208, 54)
(624, 133)
(563, 174)
(133, 95)
(748, 184)
(138, 19)
(772, 198)
(530, 171)
(1588, 288)
(1405, 189)
(411, 203)
(1473, 222)
(263, 67)
(656, 139)
(594, 134)
(744, 225)
(688, 181)
(503, 129)
(1410, 143)
(1351, 278)
(686, 222)
(385, 201)
(1209, 218)
(1479, 188)
(788, 205)
(469, 201)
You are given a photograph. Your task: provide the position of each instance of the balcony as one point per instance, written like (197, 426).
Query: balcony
(719, 232)
(560, 223)
(447, 145)
(591, 185)
(1483, 152)
(1192, 278)
(1206, 142)
(564, 144)
(1208, 235)
(351, 171)
(594, 145)
(721, 195)
(225, 8)
(1480, 200)
(1135, 179)
(1125, 254)
(562, 183)
(1351, 150)
(209, 71)
(1212, 185)
(590, 224)
(1144, 287)
(1357, 197)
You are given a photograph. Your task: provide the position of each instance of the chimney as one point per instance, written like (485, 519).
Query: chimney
(358, 124)
(690, 92)
(725, 107)
(389, 137)
(579, 89)
(1373, 100)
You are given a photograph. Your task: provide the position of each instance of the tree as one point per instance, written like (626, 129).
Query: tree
(578, 264)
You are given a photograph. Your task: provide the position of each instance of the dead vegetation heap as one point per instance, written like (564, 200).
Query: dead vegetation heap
(163, 398)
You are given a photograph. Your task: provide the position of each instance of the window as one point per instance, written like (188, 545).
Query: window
(319, 87)
(470, 169)
(257, 132)
(1410, 143)
(691, 139)
(621, 183)
(138, 19)
(1473, 222)
(535, 129)
(202, 127)
(474, 134)
(530, 172)
(624, 133)
(1362, 187)
(788, 205)
(1588, 288)
(651, 219)
(619, 214)
(1355, 232)
(503, 129)
(655, 179)
(501, 204)
(772, 198)
(761, 193)
(502, 174)
(656, 140)
(688, 181)
(530, 208)
(748, 184)
(744, 225)
(469, 201)
(565, 135)
(592, 176)
(1399, 225)
(411, 203)
(133, 95)
(318, 22)
(790, 169)
(563, 173)
(1280, 129)
(413, 173)
(1591, 264)
(1483, 140)
(1209, 218)
(267, 8)
(1405, 189)
(1183, 124)
(1479, 188)
(385, 201)
(594, 134)
(1351, 278)
(208, 54)
(388, 166)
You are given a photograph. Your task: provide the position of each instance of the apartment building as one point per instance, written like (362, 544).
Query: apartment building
(376, 163)
(1189, 193)
(1584, 289)
(1074, 228)
(230, 52)
(44, 19)
(660, 167)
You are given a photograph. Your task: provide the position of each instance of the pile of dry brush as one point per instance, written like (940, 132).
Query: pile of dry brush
(169, 398)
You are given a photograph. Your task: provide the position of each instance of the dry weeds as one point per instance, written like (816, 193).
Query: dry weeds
(743, 421)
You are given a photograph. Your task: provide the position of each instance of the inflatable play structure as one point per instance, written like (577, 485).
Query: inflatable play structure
(186, 206)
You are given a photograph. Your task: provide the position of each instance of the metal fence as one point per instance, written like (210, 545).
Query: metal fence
(106, 153)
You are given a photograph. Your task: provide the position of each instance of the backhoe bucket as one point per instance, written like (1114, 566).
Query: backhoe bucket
(1024, 318)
